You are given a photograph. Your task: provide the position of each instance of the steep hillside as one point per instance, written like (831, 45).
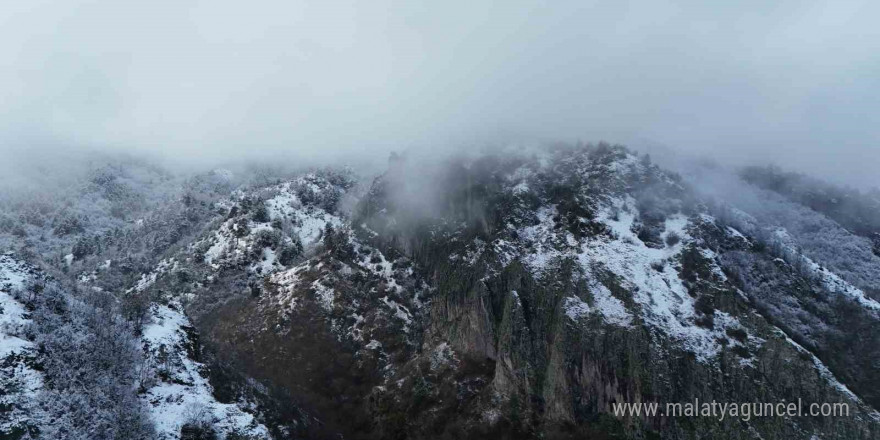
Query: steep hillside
(150, 386)
(20, 378)
(590, 277)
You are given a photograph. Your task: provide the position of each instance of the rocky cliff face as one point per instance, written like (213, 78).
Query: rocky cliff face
(595, 278)
(520, 295)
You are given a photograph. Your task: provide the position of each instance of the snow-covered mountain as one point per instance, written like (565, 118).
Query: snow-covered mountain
(511, 295)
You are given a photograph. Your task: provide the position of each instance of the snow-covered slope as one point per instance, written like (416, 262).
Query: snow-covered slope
(20, 380)
(180, 394)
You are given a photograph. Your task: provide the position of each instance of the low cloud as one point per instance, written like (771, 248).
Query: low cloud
(202, 83)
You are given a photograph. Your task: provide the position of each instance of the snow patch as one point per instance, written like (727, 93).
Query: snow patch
(182, 393)
(611, 308)
(575, 308)
(829, 280)
(646, 273)
(324, 295)
(19, 382)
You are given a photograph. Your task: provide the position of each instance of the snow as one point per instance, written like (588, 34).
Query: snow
(474, 251)
(311, 225)
(710, 255)
(829, 376)
(356, 333)
(541, 235)
(309, 222)
(575, 308)
(400, 312)
(834, 283)
(324, 295)
(11, 321)
(665, 302)
(517, 301)
(216, 250)
(505, 251)
(147, 280)
(629, 163)
(13, 273)
(314, 277)
(735, 233)
(663, 299)
(611, 308)
(829, 280)
(13, 316)
(19, 382)
(283, 205)
(186, 393)
(443, 355)
(307, 225)
(287, 282)
(266, 263)
(521, 188)
(383, 269)
(491, 416)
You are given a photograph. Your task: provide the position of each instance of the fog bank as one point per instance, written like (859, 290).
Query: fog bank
(203, 83)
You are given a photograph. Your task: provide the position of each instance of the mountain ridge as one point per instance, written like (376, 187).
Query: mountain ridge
(514, 294)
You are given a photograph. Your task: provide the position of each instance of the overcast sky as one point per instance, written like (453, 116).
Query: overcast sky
(792, 82)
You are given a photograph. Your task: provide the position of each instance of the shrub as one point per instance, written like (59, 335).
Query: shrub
(289, 253)
(83, 247)
(240, 227)
(197, 431)
(260, 214)
(67, 225)
(704, 305)
(135, 308)
(738, 334)
(741, 351)
(672, 239)
(265, 238)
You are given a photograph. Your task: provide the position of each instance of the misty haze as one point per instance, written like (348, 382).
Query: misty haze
(468, 220)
